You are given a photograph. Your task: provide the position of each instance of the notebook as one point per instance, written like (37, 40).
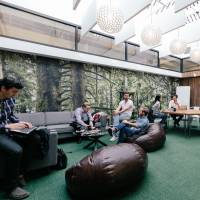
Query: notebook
(24, 131)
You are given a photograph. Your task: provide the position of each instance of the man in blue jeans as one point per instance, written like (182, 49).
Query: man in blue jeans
(129, 129)
(18, 151)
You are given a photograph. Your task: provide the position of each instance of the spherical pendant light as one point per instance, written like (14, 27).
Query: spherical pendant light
(151, 35)
(110, 19)
(178, 47)
(195, 55)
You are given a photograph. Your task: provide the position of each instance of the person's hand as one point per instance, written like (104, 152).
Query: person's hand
(28, 125)
(92, 127)
(115, 112)
(125, 121)
(16, 126)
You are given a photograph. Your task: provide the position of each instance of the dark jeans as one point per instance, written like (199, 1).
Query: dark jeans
(124, 130)
(161, 116)
(78, 127)
(177, 120)
(18, 150)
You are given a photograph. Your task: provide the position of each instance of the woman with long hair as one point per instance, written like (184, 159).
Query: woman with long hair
(156, 109)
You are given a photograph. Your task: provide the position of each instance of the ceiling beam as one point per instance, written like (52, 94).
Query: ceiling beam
(191, 32)
(132, 7)
(75, 4)
(127, 32)
(89, 18)
(168, 20)
(182, 4)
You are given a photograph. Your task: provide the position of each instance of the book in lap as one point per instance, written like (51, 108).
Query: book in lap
(25, 131)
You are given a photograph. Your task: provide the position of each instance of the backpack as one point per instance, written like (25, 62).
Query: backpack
(61, 159)
(150, 116)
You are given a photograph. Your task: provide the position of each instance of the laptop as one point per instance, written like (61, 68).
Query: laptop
(24, 131)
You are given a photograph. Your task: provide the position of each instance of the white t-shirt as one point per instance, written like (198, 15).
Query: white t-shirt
(128, 104)
(173, 105)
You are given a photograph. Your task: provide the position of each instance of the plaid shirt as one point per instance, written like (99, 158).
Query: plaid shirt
(6, 114)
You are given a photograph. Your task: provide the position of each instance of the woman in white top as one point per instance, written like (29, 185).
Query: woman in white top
(156, 110)
(175, 104)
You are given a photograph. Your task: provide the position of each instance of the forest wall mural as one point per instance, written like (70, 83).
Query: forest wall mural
(57, 85)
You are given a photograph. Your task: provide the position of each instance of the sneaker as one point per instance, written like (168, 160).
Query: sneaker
(80, 131)
(114, 138)
(18, 193)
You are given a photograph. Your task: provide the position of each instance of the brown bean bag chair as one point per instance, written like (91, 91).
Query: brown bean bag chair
(154, 138)
(107, 171)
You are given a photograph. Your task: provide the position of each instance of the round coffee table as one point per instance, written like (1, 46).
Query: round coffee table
(94, 137)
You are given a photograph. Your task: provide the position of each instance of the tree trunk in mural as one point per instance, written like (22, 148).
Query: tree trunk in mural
(48, 76)
(3, 64)
(78, 84)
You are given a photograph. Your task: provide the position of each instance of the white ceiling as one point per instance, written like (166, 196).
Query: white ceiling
(176, 18)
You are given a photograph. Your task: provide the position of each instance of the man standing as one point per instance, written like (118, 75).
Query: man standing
(123, 112)
(141, 125)
(18, 151)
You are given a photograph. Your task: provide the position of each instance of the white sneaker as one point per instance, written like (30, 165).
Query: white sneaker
(114, 138)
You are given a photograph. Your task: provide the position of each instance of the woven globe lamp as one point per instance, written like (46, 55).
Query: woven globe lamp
(178, 47)
(110, 18)
(195, 55)
(151, 35)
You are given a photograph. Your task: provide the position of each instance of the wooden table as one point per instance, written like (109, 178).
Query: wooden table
(185, 113)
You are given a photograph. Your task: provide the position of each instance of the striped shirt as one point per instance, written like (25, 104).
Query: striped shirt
(6, 115)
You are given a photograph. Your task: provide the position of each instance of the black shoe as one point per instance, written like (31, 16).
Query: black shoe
(21, 181)
(79, 140)
(110, 131)
(174, 125)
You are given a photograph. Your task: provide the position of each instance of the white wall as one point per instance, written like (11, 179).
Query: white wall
(183, 93)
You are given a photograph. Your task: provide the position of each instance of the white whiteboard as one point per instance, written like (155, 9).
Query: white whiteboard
(183, 93)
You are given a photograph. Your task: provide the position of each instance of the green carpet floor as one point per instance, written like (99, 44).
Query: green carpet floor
(173, 172)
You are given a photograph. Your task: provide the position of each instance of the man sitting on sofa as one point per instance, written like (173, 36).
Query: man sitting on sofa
(82, 118)
(18, 151)
(129, 129)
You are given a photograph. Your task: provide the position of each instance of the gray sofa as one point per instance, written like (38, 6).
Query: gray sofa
(59, 121)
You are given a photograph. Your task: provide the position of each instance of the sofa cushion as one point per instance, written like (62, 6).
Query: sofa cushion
(37, 119)
(61, 128)
(64, 117)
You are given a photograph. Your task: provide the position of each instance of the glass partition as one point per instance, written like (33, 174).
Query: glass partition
(189, 65)
(23, 25)
(29, 26)
(148, 57)
(97, 44)
(170, 63)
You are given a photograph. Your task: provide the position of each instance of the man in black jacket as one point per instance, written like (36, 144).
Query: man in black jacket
(18, 150)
